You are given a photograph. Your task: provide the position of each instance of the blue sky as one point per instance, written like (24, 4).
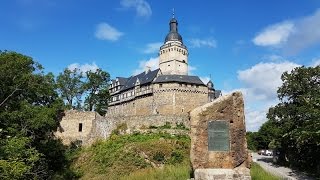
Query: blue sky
(244, 45)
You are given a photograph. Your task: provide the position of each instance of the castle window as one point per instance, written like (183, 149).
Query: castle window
(160, 85)
(133, 104)
(168, 64)
(182, 110)
(197, 86)
(80, 127)
(180, 84)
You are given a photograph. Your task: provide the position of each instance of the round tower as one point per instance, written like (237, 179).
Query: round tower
(173, 54)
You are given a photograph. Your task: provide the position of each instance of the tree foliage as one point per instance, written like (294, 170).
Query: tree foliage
(70, 86)
(96, 87)
(264, 138)
(298, 117)
(92, 87)
(29, 112)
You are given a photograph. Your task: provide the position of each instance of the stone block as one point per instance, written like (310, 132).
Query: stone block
(222, 174)
(228, 109)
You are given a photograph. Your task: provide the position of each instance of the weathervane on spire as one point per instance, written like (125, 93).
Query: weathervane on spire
(172, 12)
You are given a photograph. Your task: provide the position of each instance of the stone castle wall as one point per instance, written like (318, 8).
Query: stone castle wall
(167, 99)
(169, 103)
(103, 127)
(68, 130)
(96, 127)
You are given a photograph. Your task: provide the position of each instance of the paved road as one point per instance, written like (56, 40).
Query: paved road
(285, 173)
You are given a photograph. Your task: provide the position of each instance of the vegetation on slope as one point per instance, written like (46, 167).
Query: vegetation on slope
(136, 156)
(257, 173)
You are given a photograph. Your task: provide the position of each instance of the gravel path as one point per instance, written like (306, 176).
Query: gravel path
(285, 173)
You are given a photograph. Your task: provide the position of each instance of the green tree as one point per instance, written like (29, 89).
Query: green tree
(267, 133)
(251, 140)
(298, 117)
(102, 102)
(265, 137)
(96, 87)
(29, 112)
(70, 86)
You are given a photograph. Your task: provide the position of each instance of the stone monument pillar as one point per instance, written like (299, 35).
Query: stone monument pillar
(218, 140)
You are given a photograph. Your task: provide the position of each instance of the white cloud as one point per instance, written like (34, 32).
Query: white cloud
(307, 34)
(274, 57)
(191, 69)
(263, 79)
(254, 119)
(292, 36)
(152, 63)
(259, 87)
(106, 32)
(152, 47)
(205, 79)
(274, 35)
(315, 62)
(83, 67)
(141, 7)
(198, 43)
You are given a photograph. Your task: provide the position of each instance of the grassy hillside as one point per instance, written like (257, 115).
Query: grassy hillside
(140, 157)
(137, 156)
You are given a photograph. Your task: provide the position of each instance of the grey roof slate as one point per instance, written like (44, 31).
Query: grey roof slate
(144, 78)
(179, 78)
(173, 34)
(122, 80)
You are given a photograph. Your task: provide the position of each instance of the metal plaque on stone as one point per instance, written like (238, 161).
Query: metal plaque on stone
(218, 135)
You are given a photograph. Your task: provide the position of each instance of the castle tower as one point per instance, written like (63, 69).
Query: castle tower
(173, 54)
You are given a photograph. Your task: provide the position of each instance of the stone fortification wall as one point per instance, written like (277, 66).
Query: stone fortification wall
(103, 127)
(178, 99)
(96, 127)
(167, 99)
(69, 129)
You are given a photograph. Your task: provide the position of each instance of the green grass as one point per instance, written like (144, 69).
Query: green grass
(257, 173)
(142, 156)
(169, 172)
(120, 156)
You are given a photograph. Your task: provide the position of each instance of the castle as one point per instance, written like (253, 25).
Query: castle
(151, 98)
(168, 90)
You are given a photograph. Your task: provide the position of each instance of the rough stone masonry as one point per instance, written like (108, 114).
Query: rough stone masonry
(218, 139)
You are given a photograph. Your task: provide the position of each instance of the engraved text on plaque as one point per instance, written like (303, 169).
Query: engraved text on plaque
(218, 135)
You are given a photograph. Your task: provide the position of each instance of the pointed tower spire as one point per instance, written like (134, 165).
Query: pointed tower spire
(173, 54)
(173, 34)
(172, 12)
